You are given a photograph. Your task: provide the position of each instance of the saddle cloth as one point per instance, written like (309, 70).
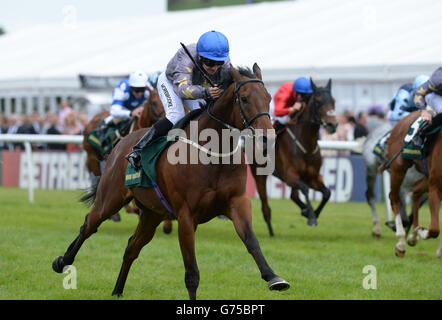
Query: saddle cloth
(150, 154)
(381, 145)
(105, 144)
(409, 149)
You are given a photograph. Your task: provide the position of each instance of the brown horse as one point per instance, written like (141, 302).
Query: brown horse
(398, 169)
(298, 158)
(153, 111)
(196, 192)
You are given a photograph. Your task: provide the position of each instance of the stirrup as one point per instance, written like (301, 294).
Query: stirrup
(134, 159)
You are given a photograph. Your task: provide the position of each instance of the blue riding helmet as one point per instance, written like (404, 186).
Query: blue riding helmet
(213, 45)
(302, 85)
(153, 79)
(420, 80)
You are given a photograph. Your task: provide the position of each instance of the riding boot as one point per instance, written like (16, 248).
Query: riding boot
(159, 129)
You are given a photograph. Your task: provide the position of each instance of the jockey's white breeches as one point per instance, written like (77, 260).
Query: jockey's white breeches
(173, 104)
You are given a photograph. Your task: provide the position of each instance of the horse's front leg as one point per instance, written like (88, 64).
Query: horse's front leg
(419, 188)
(306, 209)
(240, 212)
(186, 236)
(261, 186)
(318, 185)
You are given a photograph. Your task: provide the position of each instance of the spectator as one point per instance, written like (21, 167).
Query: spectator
(65, 109)
(54, 128)
(72, 127)
(358, 129)
(375, 116)
(13, 124)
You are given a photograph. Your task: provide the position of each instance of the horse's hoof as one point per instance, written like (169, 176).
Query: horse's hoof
(115, 218)
(399, 253)
(312, 222)
(167, 230)
(118, 294)
(279, 284)
(375, 234)
(304, 212)
(58, 264)
(412, 241)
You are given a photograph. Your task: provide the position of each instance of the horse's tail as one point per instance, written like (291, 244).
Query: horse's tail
(90, 193)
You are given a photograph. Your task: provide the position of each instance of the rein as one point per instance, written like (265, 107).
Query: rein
(246, 122)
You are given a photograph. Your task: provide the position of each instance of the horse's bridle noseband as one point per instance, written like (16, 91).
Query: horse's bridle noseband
(246, 122)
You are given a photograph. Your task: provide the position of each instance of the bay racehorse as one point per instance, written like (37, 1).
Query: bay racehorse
(298, 157)
(398, 168)
(153, 111)
(195, 192)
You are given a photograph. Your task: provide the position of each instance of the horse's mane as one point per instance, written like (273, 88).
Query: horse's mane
(226, 77)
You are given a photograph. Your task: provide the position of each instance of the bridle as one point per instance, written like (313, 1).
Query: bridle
(246, 122)
(316, 119)
(153, 116)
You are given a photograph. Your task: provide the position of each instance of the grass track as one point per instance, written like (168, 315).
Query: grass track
(324, 262)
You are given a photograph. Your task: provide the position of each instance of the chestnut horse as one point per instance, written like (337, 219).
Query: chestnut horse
(398, 169)
(153, 111)
(298, 157)
(196, 192)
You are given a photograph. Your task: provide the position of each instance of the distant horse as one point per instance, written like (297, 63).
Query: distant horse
(196, 192)
(372, 164)
(298, 157)
(398, 169)
(153, 111)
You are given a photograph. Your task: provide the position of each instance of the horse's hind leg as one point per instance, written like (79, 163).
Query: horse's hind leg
(240, 212)
(186, 236)
(419, 188)
(102, 210)
(397, 175)
(144, 232)
(371, 200)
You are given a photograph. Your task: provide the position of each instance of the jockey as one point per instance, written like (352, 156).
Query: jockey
(402, 103)
(182, 84)
(128, 100)
(288, 99)
(428, 97)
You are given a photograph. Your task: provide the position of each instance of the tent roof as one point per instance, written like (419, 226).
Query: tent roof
(288, 35)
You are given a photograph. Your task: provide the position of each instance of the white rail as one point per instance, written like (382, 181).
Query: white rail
(27, 139)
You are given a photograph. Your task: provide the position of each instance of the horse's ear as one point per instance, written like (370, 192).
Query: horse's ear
(328, 86)
(149, 89)
(314, 87)
(235, 74)
(257, 71)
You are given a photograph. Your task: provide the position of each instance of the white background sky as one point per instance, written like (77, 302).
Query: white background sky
(18, 14)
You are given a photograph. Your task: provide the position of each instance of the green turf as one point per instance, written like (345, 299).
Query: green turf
(323, 262)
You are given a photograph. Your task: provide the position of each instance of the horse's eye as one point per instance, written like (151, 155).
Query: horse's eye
(244, 99)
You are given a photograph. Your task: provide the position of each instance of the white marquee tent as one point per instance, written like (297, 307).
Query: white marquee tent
(368, 47)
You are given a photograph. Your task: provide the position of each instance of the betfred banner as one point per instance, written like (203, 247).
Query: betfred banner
(345, 176)
(51, 170)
